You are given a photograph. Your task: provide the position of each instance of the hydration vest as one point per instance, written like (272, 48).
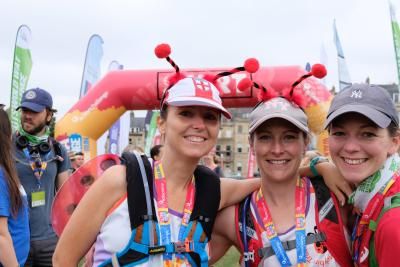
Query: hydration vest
(200, 226)
(390, 201)
(330, 231)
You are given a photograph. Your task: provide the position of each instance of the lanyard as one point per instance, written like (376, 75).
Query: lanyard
(37, 164)
(162, 209)
(272, 235)
(362, 222)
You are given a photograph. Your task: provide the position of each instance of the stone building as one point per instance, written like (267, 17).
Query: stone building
(233, 145)
(137, 132)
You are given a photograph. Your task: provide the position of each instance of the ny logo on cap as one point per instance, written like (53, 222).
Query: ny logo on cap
(356, 94)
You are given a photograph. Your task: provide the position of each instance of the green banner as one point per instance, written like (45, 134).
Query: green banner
(22, 66)
(151, 132)
(396, 38)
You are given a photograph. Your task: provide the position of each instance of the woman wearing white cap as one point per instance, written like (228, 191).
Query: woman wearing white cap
(174, 226)
(363, 127)
(291, 220)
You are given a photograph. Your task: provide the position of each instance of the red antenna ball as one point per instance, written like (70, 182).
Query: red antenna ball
(251, 65)
(244, 84)
(162, 50)
(318, 71)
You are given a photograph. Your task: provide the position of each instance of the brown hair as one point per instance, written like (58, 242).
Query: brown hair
(7, 163)
(393, 129)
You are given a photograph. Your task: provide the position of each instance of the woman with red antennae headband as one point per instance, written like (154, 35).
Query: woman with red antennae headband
(291, 220)
(160, 213)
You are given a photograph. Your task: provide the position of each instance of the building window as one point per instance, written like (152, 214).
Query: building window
(239, 148)
(228, 134)
(240, 129)
(228, 154)
(228, 148)
(218, 148)
(239, 167)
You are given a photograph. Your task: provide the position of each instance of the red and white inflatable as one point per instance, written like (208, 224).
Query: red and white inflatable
(125, 90)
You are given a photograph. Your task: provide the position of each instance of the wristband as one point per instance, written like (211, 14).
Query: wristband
(316, 161)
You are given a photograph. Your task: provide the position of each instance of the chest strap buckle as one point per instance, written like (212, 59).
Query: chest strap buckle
(248, 256)
(182, 247)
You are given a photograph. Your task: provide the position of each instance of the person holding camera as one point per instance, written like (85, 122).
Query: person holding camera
(42, 165)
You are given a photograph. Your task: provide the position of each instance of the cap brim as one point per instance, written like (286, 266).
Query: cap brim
(374, 115)
(281, 116)
(197, 101)
(32, 106)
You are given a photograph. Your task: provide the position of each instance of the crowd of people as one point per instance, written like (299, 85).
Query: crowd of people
(167, 210)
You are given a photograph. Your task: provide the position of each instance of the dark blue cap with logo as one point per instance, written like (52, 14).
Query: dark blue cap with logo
(372, 101)
(36, 99)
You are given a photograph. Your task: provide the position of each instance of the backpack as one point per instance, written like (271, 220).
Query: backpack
(329, 224)
(142, 215)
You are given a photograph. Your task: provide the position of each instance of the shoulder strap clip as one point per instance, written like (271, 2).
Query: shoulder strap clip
(267, 252)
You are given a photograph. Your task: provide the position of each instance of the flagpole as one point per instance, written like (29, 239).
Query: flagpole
(396, 37)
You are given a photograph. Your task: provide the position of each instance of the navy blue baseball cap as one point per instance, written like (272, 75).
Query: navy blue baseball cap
(372, 101)
(36, 99)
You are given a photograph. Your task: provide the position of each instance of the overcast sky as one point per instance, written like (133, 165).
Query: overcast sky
(207, 33)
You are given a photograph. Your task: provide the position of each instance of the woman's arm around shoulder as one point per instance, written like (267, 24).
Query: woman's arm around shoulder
(332, 178)
(224, 234)
(85, 223)
(233, 191)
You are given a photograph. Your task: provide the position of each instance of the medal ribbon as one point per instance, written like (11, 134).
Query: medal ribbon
(163, 214)
(269, 227)
(362, 224)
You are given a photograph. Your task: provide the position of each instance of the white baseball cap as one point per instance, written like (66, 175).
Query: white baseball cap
(278, 107)
(193, 91)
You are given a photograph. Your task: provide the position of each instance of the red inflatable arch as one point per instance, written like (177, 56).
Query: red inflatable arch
(125, 90)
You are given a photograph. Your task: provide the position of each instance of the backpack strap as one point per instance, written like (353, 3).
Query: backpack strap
(329, 222)
(325, 202)
(207, 199)
(139, 212)
(57, 150)
(56, 146)
(390, 202)
(247, 234)
(267, 252)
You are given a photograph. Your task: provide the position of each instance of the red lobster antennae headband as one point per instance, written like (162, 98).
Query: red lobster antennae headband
(251, 65)
(317, 70)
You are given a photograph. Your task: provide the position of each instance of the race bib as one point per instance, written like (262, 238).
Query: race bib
(38, 199)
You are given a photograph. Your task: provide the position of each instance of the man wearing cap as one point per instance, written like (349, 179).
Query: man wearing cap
(42, 164)
(77, 160)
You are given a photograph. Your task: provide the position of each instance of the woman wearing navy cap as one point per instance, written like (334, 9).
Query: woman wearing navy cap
(363, 127)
